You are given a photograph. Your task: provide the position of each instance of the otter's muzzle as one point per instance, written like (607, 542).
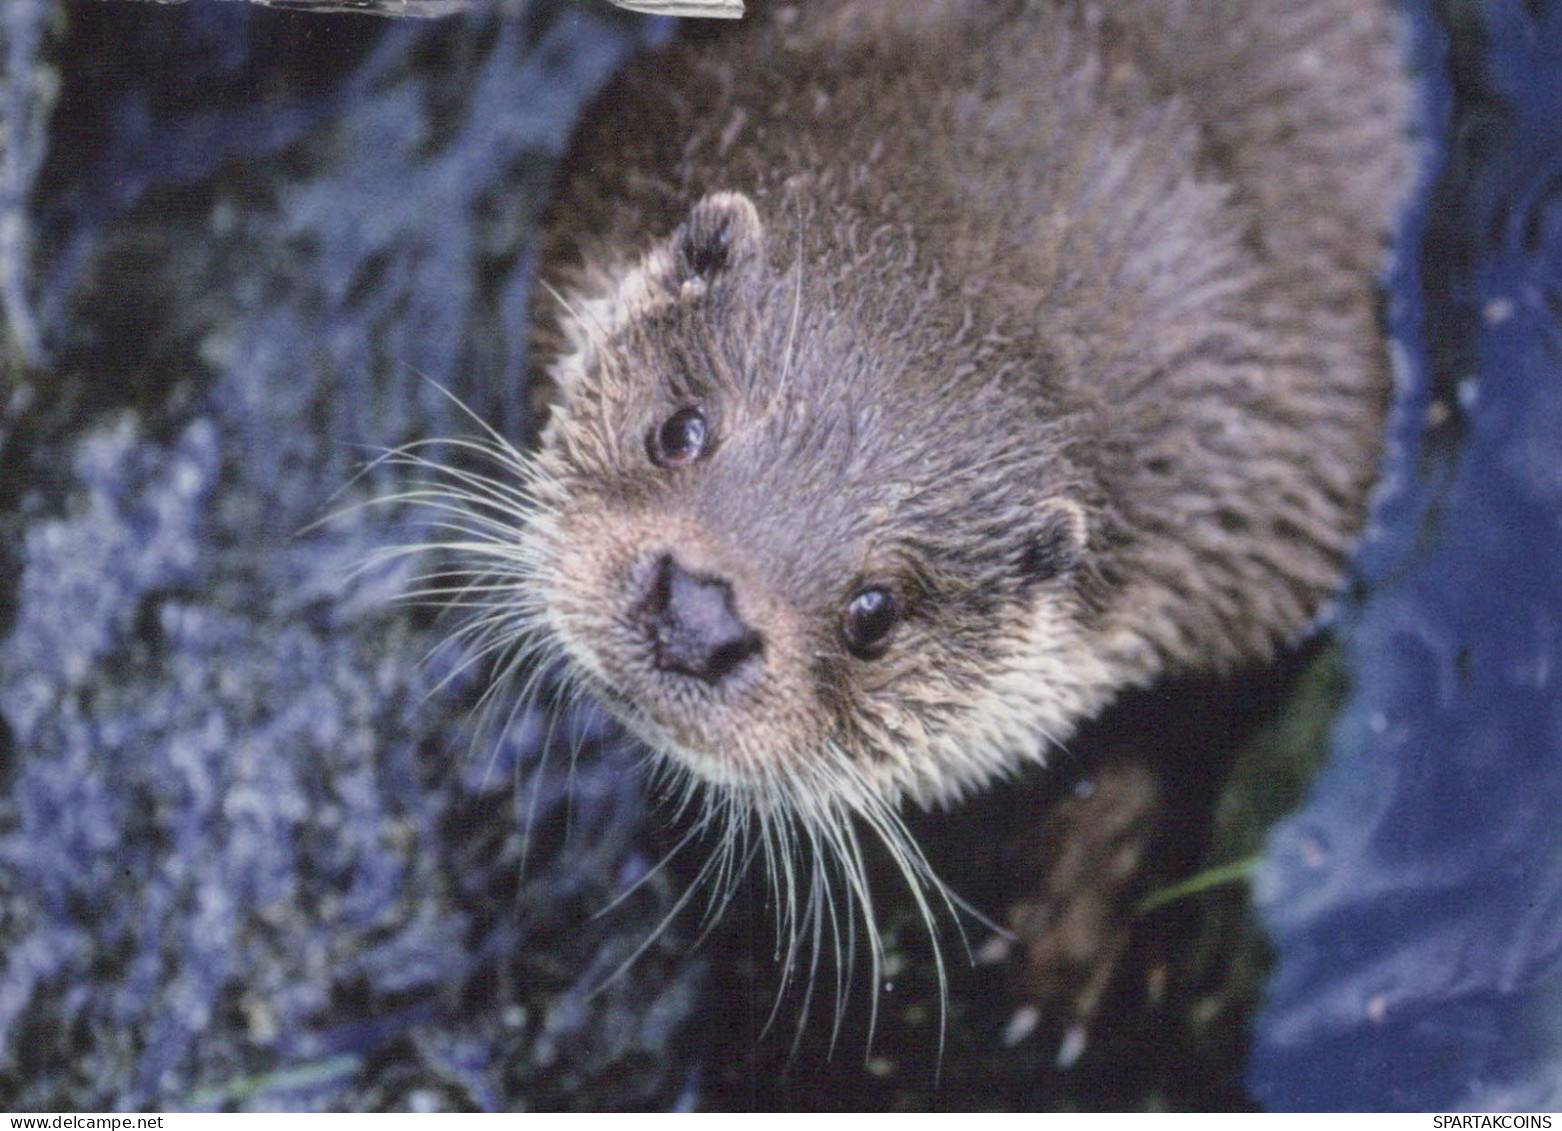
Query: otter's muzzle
(692, 624)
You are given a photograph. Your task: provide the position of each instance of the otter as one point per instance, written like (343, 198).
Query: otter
(919, 377)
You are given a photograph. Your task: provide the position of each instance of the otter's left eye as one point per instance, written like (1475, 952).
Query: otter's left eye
(870, 617)
(682, 438)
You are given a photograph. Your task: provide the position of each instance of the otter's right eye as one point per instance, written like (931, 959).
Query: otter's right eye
(681, 439)
(870, 617)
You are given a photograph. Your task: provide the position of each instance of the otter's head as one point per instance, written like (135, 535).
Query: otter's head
(801, 530)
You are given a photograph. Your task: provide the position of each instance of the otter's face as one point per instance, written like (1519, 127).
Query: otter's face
(793, 549)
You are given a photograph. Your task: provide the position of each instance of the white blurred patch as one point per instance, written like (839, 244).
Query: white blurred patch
(711, 9)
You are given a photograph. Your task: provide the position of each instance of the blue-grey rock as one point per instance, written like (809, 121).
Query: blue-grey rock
(248, 855)
(1416, 901)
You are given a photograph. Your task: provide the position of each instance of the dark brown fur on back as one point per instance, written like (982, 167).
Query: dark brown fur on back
(1059, 316)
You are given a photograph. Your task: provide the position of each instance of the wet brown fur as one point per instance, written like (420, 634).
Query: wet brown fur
(1058, 317)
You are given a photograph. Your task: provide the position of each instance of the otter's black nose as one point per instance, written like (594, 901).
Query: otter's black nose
(692, 625)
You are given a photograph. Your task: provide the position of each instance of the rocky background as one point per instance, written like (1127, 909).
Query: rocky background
(1416, 902)
(253, 853)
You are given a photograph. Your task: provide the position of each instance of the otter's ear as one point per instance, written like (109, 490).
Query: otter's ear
(1057, 542)
(722, 235)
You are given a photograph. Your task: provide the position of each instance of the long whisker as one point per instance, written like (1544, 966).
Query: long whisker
(485, 544)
